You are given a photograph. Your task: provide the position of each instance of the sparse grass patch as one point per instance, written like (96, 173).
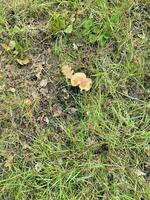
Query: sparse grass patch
(57, 142)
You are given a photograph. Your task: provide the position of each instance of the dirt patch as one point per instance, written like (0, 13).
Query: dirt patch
(54, 99)
(141, 16)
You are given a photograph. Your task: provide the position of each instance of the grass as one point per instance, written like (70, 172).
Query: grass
(59, 143)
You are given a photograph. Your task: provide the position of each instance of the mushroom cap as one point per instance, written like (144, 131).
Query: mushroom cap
(81, 80)
(67, 71)
(77, 78)
(86, 84)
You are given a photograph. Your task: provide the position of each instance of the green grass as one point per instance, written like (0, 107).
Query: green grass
(59, 143)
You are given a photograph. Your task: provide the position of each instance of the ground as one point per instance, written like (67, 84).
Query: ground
(60, 143)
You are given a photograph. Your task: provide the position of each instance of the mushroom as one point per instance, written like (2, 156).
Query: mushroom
(67, 71)
(80, 79)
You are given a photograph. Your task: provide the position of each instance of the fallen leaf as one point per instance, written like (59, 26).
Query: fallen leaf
(43, 83)
(24, 145)
(49, 50)
(24, 61)
(80, 11)
(73, 110)
(67, 71)
(126, 92)
(8, 163)
(44, 92)
(38, 74)
(38, 70)
(15, 52)
(27, 102)
(90, 141)
(57, 110)
(5, 46)
(35, 95)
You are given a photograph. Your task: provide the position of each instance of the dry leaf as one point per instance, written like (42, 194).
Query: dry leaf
(80, 11)
(43, 83)
(24, 145)
(57, 110)
(8, 163)
(90, 141)
(24, 61)
(27, 102)
(35, 95)
(38, 70)
(67, 71)
(15, 52)
(44, 92)
(38, 75)
(80, 79)
(5, 46)
(49, 50)
(126, 92)
(73, 110)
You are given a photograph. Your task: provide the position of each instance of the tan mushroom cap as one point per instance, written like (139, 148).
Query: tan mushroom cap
(77, 78)
(81, 80)
(67, 71)
(86, 84)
